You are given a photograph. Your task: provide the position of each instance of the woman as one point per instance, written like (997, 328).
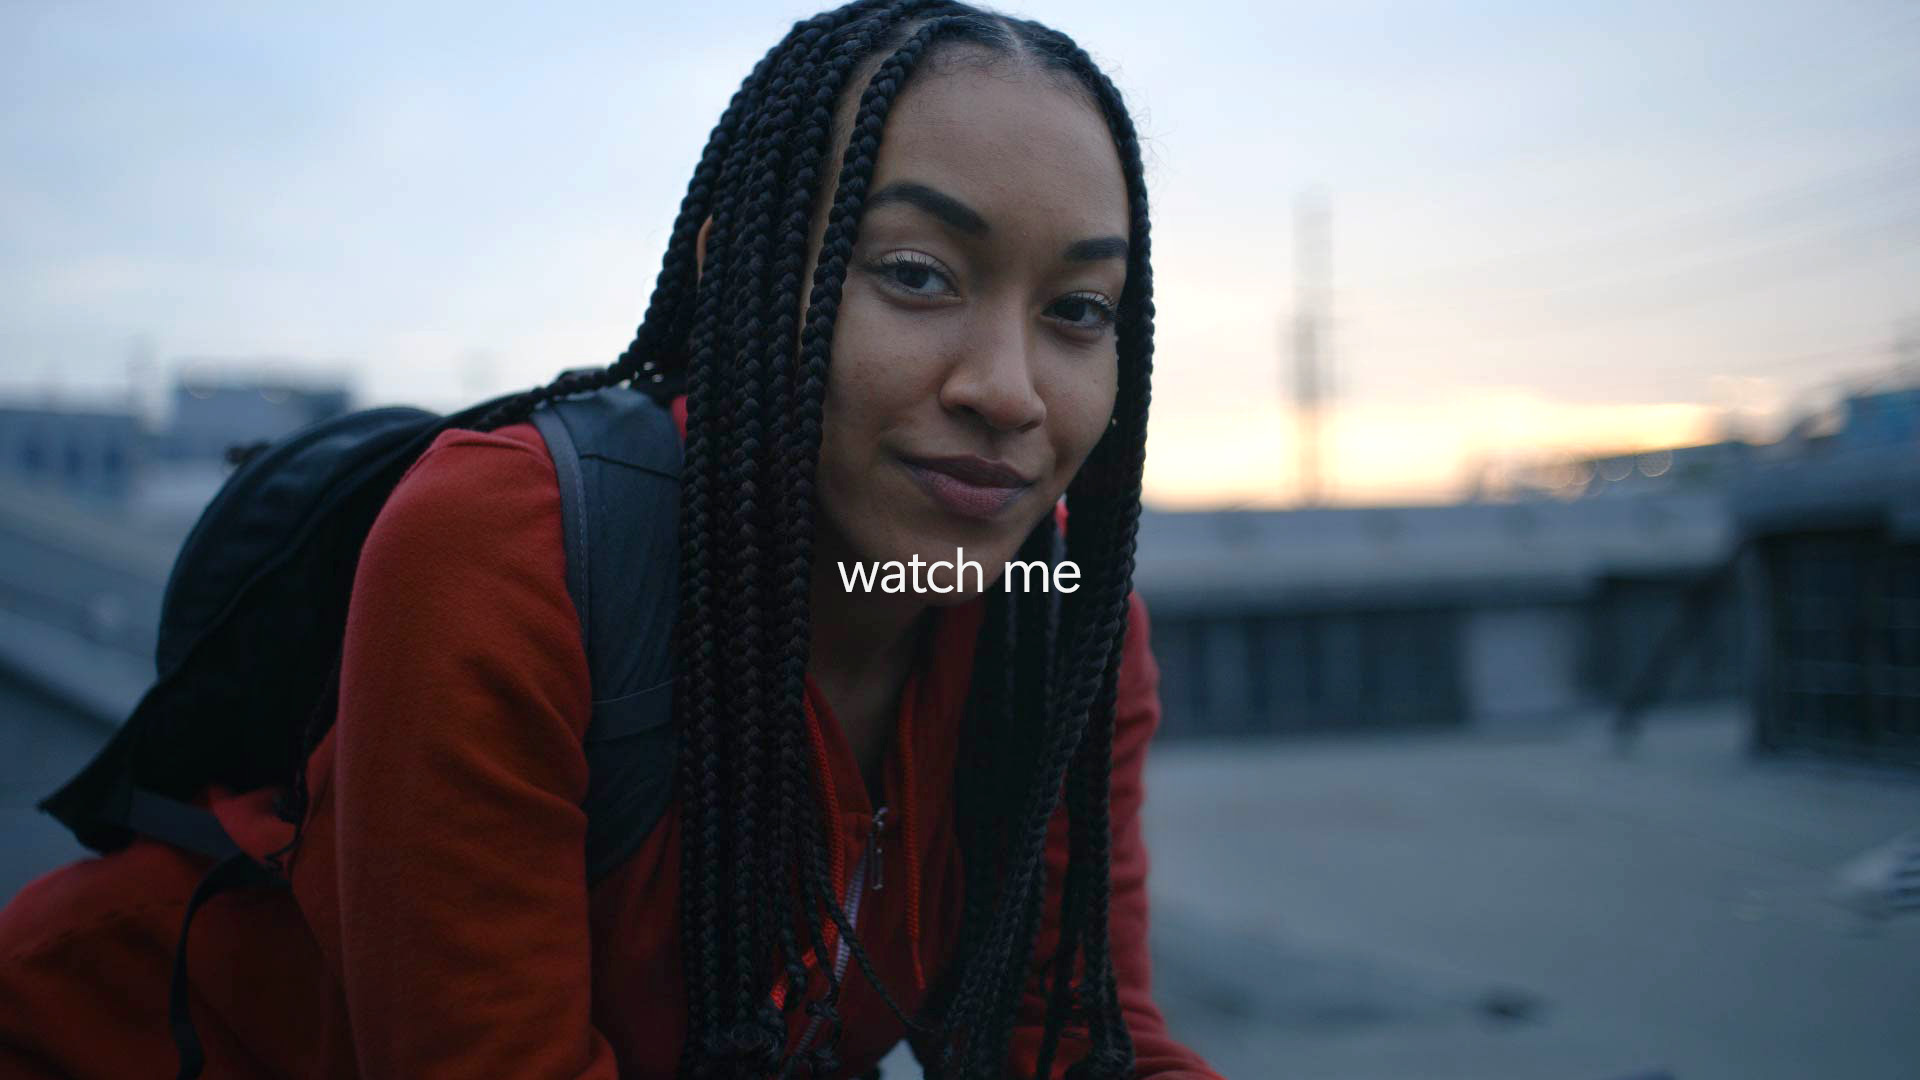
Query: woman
(909, 299)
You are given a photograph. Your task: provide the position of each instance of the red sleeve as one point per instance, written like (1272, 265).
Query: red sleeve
(458, 777)
(1156, 1054)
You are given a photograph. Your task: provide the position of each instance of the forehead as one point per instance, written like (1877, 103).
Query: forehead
(1016, 144)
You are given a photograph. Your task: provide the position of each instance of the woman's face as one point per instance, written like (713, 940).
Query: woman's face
(974, 361)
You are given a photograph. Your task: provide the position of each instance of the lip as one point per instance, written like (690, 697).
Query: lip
(967, 486)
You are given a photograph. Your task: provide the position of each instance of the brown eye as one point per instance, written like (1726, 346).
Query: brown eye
(1083, 311)
(912, 274)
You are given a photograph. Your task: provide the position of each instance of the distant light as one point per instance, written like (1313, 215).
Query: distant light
(1656, 463)
(1615, 469)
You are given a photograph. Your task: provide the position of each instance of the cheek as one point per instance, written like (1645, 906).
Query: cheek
(1081, 403)
(886, 362)
(873, 385)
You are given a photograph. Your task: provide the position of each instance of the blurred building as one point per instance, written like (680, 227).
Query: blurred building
(89, 454)
(213, 413)
(165, 474)
(1877, 420)
(1831, 565)
(1786, 575)
(1382, 618)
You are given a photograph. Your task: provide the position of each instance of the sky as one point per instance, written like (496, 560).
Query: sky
(1553, 228)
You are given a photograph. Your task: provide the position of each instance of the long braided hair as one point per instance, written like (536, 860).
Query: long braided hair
(1041, 706)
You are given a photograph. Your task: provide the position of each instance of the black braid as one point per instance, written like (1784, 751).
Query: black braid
(777, 426)
(1104, 503)
(1117, 478)
(704, 856)
(733, 1037)
(777, 620)
(829, 275)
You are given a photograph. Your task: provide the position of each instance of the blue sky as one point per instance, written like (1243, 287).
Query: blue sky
(1554, 227)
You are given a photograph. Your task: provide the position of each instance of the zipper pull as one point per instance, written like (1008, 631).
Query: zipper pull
(879, 858)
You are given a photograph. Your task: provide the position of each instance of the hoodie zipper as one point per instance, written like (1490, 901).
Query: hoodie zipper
(872, 861)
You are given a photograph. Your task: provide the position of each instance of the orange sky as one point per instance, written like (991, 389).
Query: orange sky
(1394, 453)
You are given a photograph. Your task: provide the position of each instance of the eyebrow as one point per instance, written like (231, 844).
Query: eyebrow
(960, 216)
(1106, 247)
(941, 205)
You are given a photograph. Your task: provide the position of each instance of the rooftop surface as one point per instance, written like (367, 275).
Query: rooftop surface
(1453, 907)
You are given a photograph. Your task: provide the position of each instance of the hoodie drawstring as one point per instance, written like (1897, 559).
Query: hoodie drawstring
(837, 855)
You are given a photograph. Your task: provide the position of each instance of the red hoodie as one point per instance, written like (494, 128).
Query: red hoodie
(439, 923)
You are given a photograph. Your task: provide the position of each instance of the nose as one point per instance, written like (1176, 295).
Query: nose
(993, 378)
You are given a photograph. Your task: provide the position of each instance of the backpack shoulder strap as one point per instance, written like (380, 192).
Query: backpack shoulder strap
(617, 454)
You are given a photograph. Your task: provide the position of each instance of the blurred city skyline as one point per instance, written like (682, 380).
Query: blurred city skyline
(1551, 231)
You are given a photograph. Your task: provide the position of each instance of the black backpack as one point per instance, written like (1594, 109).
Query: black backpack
(255, 612)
